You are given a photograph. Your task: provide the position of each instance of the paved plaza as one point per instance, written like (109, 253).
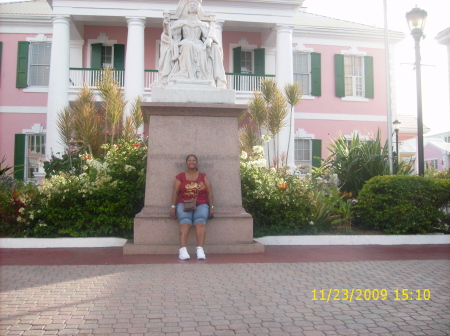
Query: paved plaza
(219, 297)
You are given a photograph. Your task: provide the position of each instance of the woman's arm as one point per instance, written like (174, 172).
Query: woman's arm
(209, 193)
(175, 193)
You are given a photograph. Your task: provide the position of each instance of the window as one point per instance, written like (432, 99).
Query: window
(307, 72)
(353, 67)
(249, 61)
(33, 64)
(107, 56)
(447, 139)
(302, 152)
(246, 62)
(35, 144)
(431, 164)
(29, 151)
(39, 64)
(302, 70)
(354, 76)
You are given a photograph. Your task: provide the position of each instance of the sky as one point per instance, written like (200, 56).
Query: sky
(435, 72)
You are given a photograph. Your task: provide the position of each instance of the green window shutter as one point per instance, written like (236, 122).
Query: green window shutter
(260, 61)
(237, 60)
(22, 64)
(368, 71)
(119, 56)
(316, 152)
(96, 56)
(316, 74)
(339, 75)
(19, 156)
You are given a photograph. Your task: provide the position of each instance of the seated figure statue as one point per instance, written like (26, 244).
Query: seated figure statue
(190, 53)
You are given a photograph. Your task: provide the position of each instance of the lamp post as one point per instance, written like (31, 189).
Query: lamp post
(396, 124)
(416, 22)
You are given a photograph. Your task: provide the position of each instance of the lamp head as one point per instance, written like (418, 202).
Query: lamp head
(396, 125)
(416, 19)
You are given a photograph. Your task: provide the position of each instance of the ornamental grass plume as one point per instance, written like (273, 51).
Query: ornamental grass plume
(277, 113)
(133, 121)
(64, 124)
(247, 139)
(87, 123)
(113, 102)
(293, 93)
(257, 109)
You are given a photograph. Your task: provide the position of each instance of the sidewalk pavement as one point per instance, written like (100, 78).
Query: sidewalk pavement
(288, 290)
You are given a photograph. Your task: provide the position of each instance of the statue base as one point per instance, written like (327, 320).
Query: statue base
(192, 92)
(210, 131)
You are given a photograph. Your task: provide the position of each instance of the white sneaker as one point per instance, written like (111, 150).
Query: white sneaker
(200, 253)
(184, 255)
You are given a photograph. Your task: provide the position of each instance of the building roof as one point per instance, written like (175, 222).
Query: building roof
(309, 20)
(408, 124)
(444, 146)
(34, 7)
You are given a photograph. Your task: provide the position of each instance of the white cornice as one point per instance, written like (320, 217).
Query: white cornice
(347, 33)
(26, 24)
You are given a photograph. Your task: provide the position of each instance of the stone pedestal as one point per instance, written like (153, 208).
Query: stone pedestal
(210, 131)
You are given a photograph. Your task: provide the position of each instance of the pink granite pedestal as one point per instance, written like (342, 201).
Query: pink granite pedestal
(210, 131)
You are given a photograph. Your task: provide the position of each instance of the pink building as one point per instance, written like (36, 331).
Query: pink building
(50, 48)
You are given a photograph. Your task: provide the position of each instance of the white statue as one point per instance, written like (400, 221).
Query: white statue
(190, 52)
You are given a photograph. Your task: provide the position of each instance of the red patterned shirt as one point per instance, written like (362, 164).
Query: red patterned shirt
(191, 189)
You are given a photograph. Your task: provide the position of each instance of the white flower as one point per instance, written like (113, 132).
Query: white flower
(21, 210)
(129, 168)
(266, 137)
(258, 150)
(243, 155)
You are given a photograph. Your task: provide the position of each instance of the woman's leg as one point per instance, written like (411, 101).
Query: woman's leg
(185, 219)
(184, 234)
(200, 216)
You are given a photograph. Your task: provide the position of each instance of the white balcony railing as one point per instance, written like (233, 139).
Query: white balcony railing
(78, 77)
(81, 76)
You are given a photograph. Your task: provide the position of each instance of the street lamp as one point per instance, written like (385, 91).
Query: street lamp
(416, 22)
(396, 124)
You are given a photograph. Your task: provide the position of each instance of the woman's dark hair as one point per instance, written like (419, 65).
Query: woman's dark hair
(187, 157)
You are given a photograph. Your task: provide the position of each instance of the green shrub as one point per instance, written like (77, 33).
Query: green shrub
(357, 161)
(69, 162)
(13, 195)
(403, 204)
(100, 202)
(280, 203)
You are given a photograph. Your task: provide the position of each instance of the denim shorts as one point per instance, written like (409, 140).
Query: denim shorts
(199, 215)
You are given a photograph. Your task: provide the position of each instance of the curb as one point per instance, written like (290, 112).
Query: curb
(430, 239)
(357, 240)
(61, 242)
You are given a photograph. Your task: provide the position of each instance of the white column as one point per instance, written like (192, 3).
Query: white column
(58, 87)
(284, 75)
(219, 31)
(134, 60)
